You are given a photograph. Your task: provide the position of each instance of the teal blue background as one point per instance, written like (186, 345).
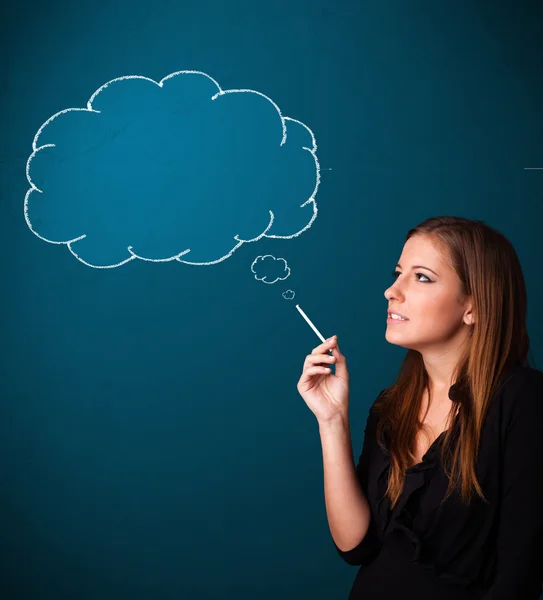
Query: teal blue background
(152, 440)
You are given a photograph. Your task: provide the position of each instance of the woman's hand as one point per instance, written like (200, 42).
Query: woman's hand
(327, 395)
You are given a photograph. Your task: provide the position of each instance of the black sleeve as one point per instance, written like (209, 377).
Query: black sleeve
(520, 527)
(366, 550)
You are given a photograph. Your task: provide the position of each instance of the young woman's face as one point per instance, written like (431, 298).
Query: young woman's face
(427, 292)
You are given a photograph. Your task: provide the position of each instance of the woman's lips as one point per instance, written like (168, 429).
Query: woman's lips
(391, 320)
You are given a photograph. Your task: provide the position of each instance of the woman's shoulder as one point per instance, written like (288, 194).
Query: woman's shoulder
(522, 390)
(520, 378)
(375, 410)
(377, 404)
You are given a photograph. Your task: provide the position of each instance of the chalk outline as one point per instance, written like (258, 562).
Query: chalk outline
(221, 92)
(270, 256)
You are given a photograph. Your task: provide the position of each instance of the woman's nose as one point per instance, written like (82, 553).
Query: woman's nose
(390, 293)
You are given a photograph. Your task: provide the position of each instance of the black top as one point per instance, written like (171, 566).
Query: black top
(425, 551)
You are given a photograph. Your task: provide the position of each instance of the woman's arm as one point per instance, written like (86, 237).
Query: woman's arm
(519, 569)
(347, 508)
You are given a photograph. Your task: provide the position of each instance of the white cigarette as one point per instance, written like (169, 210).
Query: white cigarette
(310, 323)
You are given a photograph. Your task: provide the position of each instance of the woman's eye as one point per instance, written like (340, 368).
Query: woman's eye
(428, 280)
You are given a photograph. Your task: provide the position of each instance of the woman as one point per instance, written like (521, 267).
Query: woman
(446, 500)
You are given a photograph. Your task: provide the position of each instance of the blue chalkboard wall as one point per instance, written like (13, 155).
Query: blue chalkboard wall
(153, 443)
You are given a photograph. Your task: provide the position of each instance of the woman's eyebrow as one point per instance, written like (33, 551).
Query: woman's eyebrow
(418, 267)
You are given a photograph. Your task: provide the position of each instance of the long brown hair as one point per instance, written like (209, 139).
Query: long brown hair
(490, 272)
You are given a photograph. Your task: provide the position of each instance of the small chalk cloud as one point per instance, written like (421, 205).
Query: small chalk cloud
(288, 294)
(178, 169)
(269, 269)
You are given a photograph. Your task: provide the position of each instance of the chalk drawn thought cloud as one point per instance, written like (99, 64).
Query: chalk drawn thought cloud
(269, 269)
(178, 169)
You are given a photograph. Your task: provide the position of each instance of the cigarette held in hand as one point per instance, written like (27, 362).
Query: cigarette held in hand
(319, 334)
(310, 323)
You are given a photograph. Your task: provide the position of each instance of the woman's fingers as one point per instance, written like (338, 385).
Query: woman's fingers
(314, 359)
(317, 371)
(325, 346)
